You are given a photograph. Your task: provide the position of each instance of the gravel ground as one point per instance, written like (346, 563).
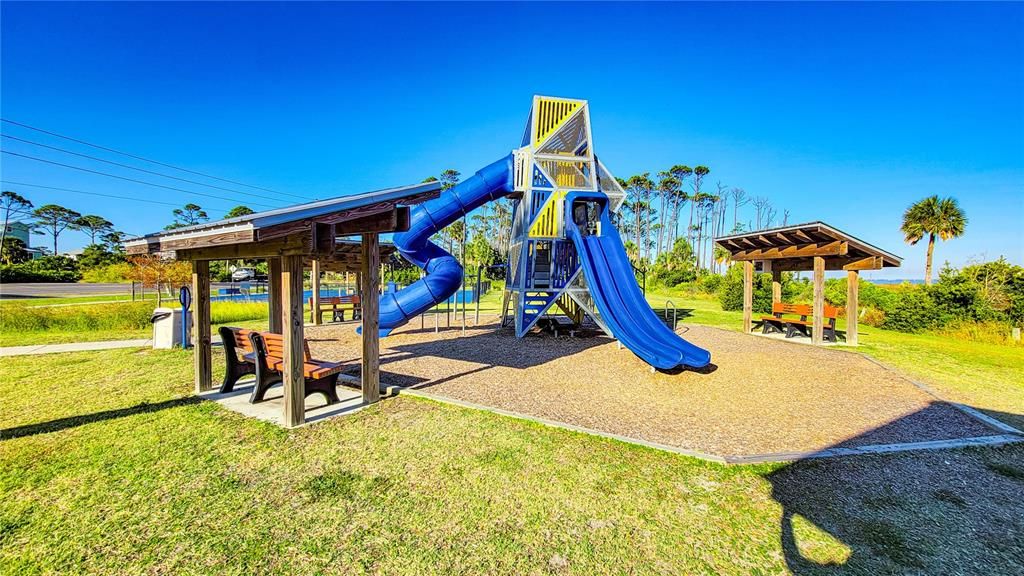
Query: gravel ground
(759, 396)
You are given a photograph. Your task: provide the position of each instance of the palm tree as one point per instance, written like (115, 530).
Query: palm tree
(935, 217)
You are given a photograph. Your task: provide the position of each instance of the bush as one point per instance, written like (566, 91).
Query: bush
(730, 292)
(672, 278)
(913, 311)
(113, 273)
(45, 269)
(872, 317)
(710, 283)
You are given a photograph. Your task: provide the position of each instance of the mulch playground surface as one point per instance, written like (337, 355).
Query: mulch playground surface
(760, 396)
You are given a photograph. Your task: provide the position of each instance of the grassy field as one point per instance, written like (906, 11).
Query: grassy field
(24, 324)
(109, 465)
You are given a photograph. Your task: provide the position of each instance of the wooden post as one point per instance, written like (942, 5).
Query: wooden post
(852, 297)
(274, 300)
(818, 325)
(315, 277)
(201, 325)
(776, 286)
(370, 277)
(748, 295)
(291, 300)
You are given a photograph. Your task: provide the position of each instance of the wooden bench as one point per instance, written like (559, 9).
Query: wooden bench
(238, 355)
(777, 322)
(268, 358)
(337, 305)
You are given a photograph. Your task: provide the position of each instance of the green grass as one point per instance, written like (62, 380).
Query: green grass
(108, 465)
(22, 325)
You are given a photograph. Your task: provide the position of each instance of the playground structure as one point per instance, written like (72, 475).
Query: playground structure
(565, 253)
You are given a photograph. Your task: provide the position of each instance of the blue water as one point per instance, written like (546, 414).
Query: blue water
(262, 297)
(223, 295)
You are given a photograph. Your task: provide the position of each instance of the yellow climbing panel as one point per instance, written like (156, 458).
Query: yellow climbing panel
(548, 223)
(551, 114)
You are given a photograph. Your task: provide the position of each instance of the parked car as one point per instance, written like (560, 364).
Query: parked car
(243, 275)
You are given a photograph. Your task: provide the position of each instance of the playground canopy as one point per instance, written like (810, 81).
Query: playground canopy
(289, 239)
(814, 246)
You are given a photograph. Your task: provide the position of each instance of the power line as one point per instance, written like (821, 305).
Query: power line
(135, 168)
(127, 179)
(149, 160)
(89, 193)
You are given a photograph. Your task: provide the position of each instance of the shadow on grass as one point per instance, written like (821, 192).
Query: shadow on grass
(81, 420)
(933, 511)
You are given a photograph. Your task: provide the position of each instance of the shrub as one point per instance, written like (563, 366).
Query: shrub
(731, 292)
(710, 283)
(872, 317)
(108, 274)
(913, 311)
(45, 269)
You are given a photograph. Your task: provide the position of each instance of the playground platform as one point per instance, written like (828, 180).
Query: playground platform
(761, 400)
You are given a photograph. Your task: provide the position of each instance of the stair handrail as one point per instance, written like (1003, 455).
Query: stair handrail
(673, 304)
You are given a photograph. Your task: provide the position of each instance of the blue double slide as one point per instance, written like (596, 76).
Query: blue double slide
(609, 274)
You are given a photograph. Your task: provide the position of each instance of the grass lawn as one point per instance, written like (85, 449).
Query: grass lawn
(109, 465)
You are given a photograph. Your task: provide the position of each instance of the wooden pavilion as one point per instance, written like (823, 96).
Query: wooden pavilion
(816, 247)
(292, 239)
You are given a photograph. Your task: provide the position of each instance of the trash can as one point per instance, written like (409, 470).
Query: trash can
(167, 328)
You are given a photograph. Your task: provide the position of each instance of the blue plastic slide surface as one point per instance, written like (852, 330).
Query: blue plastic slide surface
(443, 272)
(622, 305)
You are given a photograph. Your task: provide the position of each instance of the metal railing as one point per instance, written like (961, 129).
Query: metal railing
(674, 311)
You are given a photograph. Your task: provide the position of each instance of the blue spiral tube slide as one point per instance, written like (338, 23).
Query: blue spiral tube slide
(443, 272)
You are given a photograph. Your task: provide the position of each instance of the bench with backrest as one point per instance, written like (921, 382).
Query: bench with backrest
(337, 305)
(236, 348)
(779, 322)
(268, 357)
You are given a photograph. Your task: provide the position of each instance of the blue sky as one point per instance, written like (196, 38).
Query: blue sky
(840, 112)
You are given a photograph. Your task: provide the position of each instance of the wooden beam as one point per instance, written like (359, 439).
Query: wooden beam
(394, 220)
(314, 276)
(370, 277)
(201, 326)
(831, 263)
(776, 286)
(293, 381)
(324, 240)
(784, 238)
(818, 319)
(852, 306)
(748, 295)
(869, 263)
(800, 234)
(208, 240)
(836, 248)
(296, 244)
(274, 300)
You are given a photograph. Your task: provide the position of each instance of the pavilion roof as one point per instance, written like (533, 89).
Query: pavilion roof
(794, 248)
(301, 228)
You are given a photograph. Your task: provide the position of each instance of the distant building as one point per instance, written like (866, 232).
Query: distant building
(23, 231)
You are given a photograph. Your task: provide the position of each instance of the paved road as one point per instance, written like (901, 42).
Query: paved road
(51, 290)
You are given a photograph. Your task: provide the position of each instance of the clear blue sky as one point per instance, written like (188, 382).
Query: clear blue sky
(841, 112)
